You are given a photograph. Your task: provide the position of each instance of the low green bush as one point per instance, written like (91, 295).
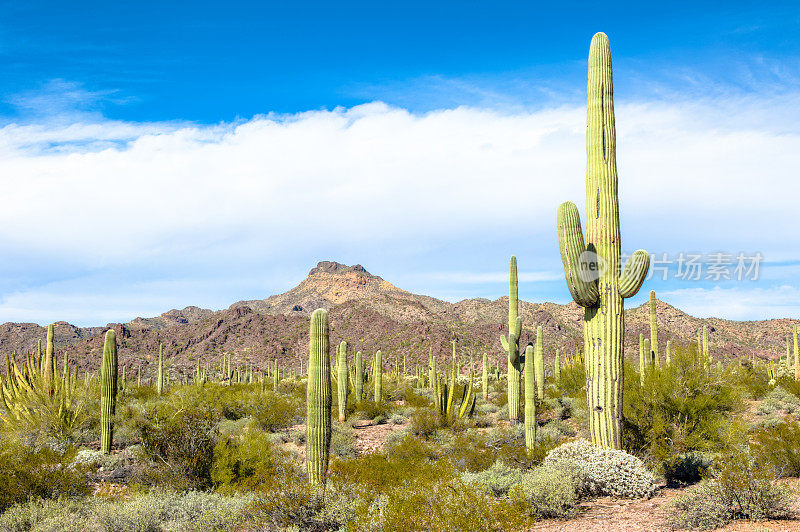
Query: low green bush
(42, 473)
(686, 468)
(740, 487)
(779, 447)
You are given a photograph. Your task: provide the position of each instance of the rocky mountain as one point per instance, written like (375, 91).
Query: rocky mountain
(371, 313)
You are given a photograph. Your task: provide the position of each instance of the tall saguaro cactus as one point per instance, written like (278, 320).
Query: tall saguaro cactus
(485, 378)
(341, 381)
(49, 363)
(796, 355)
(160, 374)
(530, 397)
(108, 391)
(538, 363)
(358, 382)
(377, 376)
(511, 345)
(654, 328)
(592, 269)
(318, 399)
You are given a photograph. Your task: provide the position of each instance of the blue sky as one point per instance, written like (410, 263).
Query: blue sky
(156, 155)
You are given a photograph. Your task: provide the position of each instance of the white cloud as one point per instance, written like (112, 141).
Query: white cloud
(736, 303)
(693, 176)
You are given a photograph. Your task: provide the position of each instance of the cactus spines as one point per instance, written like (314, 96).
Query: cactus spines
(160, 374)
(485, 379)
(358, 382)
(511, 346)
(654, 327)
(341, 381)
(530, 398)
(377, 376)
(318, 399)
(538, 364)
(591, 269)
(108, 391)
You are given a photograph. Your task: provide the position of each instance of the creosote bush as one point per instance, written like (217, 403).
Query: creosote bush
(740, 487)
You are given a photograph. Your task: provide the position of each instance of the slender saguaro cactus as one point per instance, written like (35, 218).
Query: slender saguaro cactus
(276, 378)
(108, 391)
(654, 327)
(377, 376)
(530, 397)
(341, 381)
(648, 353)
(557, 368)
(642, 360)
(669, 352)
(358, 382)
(318, 400)
(796, 355)
(706, 357)
(538, 363)
(514, 331)
(160, 374)
(49, 364)
(485, 379)
(592, 270)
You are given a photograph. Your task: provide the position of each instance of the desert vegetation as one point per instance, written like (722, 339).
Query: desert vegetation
(351, 441)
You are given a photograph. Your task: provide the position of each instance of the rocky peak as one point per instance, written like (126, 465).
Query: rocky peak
(333, 267)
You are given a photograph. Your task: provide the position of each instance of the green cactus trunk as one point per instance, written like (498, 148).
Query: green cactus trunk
(654, 328)
(530, 397)
(485, 379)
(160, 373)
(318, 400)
(538, 363)
(706, 356)
(642, 360)
(108, 391)
(557, 368)
(49, 363)
(377, 376)
(593, 278)
(796, 353)
(341, 381)
(276, 379)
(358, 381)
(669, 352)
(648, 353)
(511, 346)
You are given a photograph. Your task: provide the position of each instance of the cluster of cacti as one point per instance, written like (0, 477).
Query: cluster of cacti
(511, 345)
(342, 388)
(36, 390)
(592, 269)
(108, 391)
(318, 399)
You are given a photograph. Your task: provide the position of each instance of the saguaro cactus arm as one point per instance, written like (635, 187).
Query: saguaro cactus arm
(634, 273)
(577, 267)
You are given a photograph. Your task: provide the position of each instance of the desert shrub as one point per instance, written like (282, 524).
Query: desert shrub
(276, 412)
(343, 441)
(686, 468)
(415, 399)
(740, 488)
(603, 471)
(42, 473)
(292, 506)
(550, 492)
(397, 419)
(182, 445)
(425, 422)
(554, 431)
(247, 463)
(155, 511)
(779, 447)
(372, 410)
(573, 380)
(681, 408)
(779, 399)
(497, 480)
